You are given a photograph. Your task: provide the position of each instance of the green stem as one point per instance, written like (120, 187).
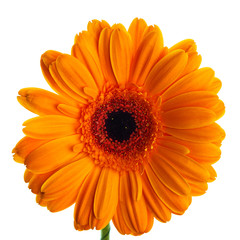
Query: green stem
(105, 233)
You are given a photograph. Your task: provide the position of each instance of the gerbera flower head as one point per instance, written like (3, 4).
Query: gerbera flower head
(130, 135)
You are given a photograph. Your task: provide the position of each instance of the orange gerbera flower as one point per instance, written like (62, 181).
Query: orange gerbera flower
(131, 134)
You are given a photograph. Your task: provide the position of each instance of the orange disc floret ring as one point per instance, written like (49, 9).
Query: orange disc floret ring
(123, 129)
(130, 133)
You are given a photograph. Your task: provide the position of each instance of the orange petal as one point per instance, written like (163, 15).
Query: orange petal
(85, 199)
(212, 172)
(136, 185)
(99, 224)
(152, 28)
(191, 99)
(68, 178)
(198, 80)
(88, 38)
(198, 188)
(188, 117)
(40, 201)
(65, 201)
(168, 175)
(204, 160)
(136, 30)
(218, 109)
(68, 110)
(166, 72)
(89, 58)
(61, 190)
(204, 152)
(134, 212)
(166, 142)
(80, 227)
(95, 28)
(159, 210)
(49, 56)
(201, 152)
(215, 85)
(121, 55)
(37, 181)
(25, 146)
(46, 61)
(118, 26)
(40, 101)
(150, 222)
(52, 154)
(146, 57)
(194, 62)
(176, 203)
(104, 56)
(209, 133)
(27, 175)
(119, 222)
(64, 87)
(123, 228)
(74, 73)
(50, 127)
(186, 166)
(188, 45)
(106, 196)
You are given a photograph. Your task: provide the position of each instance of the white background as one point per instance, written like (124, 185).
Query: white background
(29, 28)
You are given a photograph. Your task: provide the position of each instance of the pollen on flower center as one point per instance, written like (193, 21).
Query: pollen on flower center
(120, 130)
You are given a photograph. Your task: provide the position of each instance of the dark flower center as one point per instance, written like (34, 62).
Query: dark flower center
(120, 125)
(123, 129)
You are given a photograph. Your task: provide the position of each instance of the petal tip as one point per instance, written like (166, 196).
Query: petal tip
(48, 57)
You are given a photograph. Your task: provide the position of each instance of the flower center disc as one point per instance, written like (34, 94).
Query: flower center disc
(123, 129)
